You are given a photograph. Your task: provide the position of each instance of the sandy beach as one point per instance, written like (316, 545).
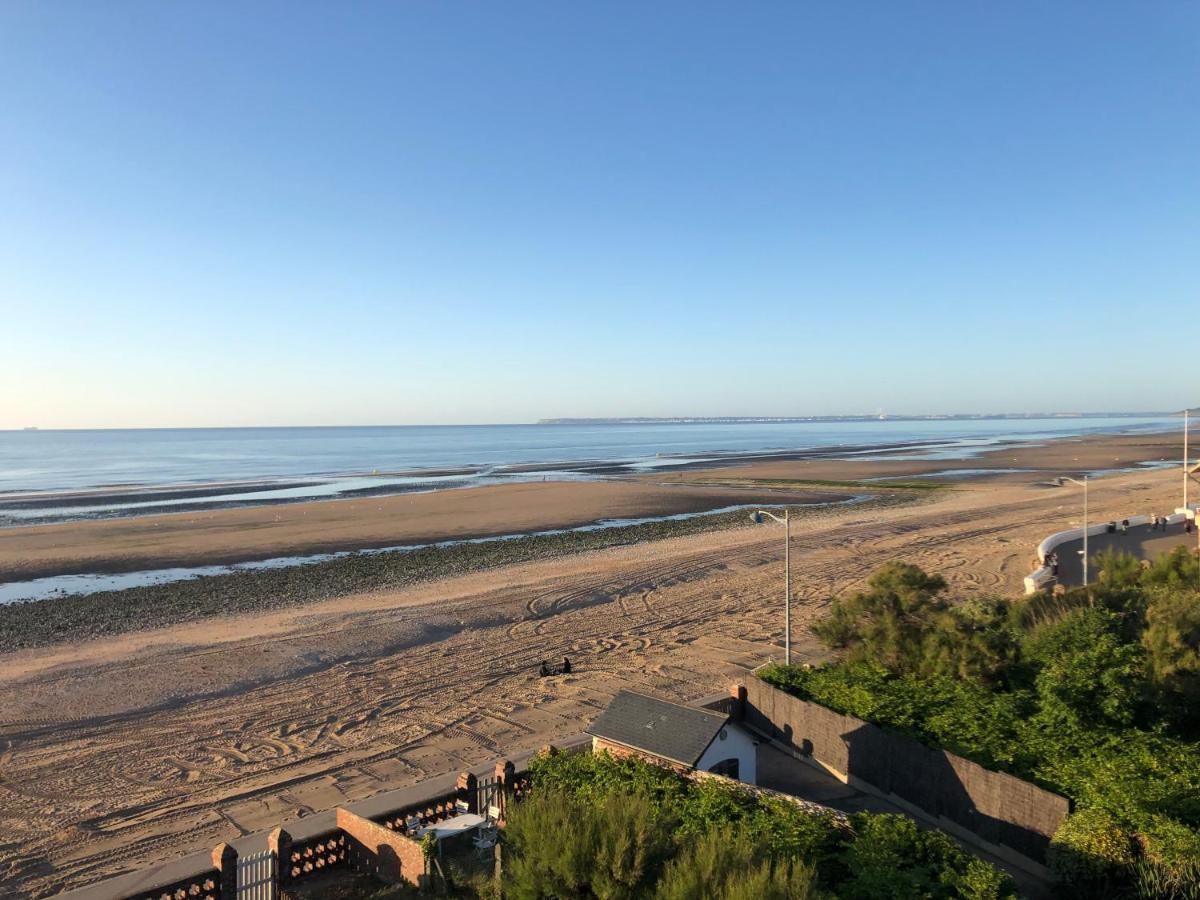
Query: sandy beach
(125, 750)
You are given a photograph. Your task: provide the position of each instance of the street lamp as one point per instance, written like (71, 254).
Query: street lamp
(1085, 533)
(757, 517)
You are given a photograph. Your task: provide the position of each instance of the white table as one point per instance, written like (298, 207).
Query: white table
(456, 825)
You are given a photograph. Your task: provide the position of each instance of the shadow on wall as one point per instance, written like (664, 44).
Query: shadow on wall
(957, 794)
(944, 786)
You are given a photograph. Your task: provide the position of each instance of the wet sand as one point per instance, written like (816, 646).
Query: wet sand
(120, 751)
(300, 529)
(236, 535)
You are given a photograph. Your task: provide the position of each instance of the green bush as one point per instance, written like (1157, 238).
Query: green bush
(1156, 882)
(892, 857)
(1172, 642)
(1090, 849)
(725, 865)
(1094, 694)
(564, 847)
(596, 826)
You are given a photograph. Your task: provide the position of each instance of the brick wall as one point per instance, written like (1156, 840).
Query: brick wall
(387, 855)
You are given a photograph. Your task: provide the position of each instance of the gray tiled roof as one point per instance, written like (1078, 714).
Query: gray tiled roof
(678, 733)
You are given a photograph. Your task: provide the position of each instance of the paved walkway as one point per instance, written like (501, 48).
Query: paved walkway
(1141, 541)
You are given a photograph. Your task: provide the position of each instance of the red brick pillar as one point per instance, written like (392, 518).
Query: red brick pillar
(738, 708)
(468, 790)
(225, 860)
(279, 842)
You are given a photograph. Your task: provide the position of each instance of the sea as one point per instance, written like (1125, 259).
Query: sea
(49, 476)
(320, 461)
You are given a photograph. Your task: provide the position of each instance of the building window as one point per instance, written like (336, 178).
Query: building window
(726, 767)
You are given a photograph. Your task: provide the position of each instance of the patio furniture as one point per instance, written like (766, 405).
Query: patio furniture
(484, 841)
(455, 825)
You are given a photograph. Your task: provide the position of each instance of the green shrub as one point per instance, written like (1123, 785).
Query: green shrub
(582, 834)
(1172, 642)
(983, 881)
(730, 865)
(1088, 674)
(1090, 849)
(891, 856)
(563, 847)
(1168, 844)
(1156, 882)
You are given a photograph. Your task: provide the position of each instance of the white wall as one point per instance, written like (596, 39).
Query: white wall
(1039, 578)
(738, 745)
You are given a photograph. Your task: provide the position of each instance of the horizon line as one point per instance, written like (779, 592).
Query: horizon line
(616, 420)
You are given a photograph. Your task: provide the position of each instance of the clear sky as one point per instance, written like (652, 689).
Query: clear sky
(423, 212)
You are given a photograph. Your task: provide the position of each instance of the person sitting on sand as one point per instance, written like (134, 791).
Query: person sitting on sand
(545, 670)
(566, 666)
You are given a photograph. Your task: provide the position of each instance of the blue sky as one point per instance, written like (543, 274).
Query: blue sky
(415, 212)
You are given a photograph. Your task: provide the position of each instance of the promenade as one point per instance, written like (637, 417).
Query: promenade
(1141, 541)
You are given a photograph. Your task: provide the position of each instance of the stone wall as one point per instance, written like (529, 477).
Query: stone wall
(620, 751)
(1010, 817)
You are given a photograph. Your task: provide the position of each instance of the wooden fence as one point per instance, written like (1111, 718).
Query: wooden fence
(1011, 818)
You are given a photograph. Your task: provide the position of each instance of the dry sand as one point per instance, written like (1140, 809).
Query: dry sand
(125, 751)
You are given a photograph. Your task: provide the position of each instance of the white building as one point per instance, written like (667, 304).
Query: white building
(677, 736)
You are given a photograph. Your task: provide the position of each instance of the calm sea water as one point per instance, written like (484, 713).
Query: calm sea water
(61, 460)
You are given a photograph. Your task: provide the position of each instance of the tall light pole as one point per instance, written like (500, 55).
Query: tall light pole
(786, 522)
(1085, 534)
(1186, 473)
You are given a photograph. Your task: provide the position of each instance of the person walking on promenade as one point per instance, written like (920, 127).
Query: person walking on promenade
(1054, 564)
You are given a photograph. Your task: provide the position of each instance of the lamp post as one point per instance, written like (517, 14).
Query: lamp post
(1186, 473)
(757, 517)
(1085, 533)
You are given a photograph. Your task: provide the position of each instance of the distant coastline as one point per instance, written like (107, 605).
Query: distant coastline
(879, 417)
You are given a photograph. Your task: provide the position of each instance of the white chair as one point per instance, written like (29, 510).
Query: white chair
(484, 841)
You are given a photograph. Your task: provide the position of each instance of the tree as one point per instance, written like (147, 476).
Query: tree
(1178, 569)
(1172, 642)
(1088, 675)
(886, 625)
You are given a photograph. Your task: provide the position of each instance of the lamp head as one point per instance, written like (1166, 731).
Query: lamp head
(756, 517)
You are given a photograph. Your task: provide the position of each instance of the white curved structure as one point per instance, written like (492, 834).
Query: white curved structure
(1041, 577)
